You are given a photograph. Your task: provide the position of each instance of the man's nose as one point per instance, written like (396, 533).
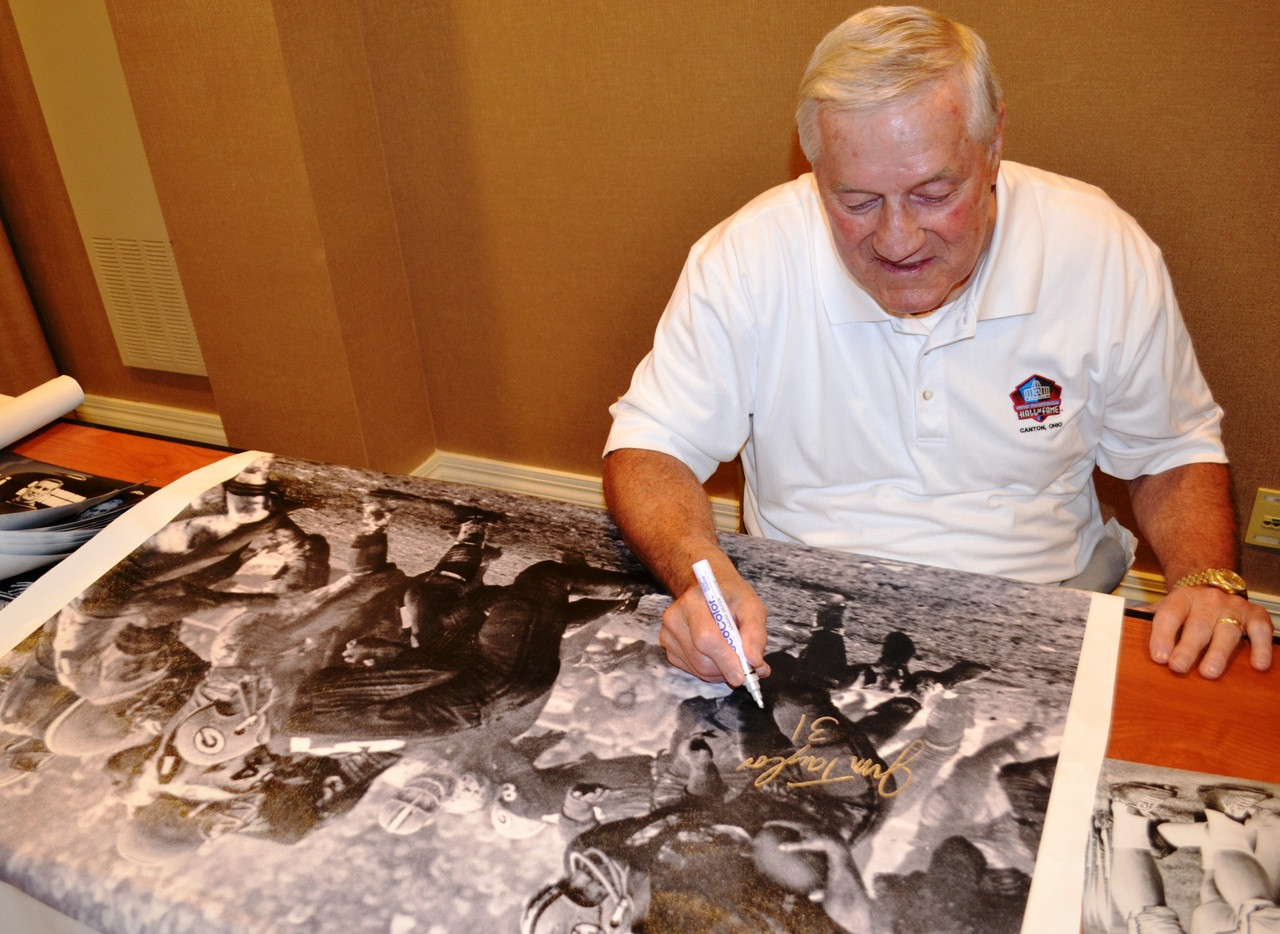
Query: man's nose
(898, 235)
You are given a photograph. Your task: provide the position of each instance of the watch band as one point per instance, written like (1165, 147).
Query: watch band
(1224, 579)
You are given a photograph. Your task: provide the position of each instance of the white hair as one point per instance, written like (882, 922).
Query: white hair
(888, 53)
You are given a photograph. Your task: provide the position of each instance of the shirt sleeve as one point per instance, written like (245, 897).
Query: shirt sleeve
(691, 397)
(1160, 412)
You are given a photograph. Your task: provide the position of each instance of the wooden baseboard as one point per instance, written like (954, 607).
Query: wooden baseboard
(164, 420)
(1142, 587)
(579, 489)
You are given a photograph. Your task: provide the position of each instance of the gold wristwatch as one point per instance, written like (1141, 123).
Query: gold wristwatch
(1222, 578)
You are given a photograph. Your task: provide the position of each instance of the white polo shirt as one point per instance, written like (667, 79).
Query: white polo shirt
(964, 440)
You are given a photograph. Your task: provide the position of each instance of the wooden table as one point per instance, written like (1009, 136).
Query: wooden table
(121, 455)
(1223, 727)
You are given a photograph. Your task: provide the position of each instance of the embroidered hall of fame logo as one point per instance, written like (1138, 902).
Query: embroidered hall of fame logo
(1038, 398)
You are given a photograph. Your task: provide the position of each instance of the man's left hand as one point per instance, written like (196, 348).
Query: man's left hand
(1206, 624)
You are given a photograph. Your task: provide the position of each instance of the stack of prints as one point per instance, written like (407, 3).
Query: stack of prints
(47, 512)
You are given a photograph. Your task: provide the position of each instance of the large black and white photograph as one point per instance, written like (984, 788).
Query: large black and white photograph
(330, 699)
(1176, 852)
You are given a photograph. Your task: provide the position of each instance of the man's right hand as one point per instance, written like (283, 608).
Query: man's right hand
(663, 514)
(693, 641)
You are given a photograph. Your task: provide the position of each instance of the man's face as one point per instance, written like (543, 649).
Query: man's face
(32, 492)
(909, 193)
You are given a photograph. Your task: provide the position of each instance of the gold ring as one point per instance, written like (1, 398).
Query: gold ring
(1232, 620)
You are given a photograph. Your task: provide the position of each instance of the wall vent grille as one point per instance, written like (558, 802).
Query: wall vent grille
(146, 305)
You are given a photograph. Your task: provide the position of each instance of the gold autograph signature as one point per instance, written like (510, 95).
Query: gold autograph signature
(835, 768)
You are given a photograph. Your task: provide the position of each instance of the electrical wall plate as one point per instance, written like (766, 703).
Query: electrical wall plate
(1264, 523)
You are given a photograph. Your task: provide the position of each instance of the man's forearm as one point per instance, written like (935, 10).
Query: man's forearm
(1185, 514)
(663, 513)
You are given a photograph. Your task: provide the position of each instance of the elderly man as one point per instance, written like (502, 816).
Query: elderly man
(922, 353)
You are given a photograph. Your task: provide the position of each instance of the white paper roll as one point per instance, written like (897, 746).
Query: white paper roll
(21, 415)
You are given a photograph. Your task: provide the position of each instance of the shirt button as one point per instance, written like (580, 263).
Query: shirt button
(927, 395)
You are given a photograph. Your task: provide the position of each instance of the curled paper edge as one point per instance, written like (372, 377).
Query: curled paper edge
(21, 415)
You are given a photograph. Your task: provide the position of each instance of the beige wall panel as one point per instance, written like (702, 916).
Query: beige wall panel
(25, 361)
(577, 151)
(328, 75)
(214, 106)
(51, 255)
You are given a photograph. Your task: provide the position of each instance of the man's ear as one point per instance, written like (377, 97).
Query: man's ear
(997, 142)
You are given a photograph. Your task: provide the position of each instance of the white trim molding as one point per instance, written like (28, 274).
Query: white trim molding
(165, 420)
(1142, 587)
(579, 489)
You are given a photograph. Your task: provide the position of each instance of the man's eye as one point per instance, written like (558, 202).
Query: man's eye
(860, 207)
(934, 198)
